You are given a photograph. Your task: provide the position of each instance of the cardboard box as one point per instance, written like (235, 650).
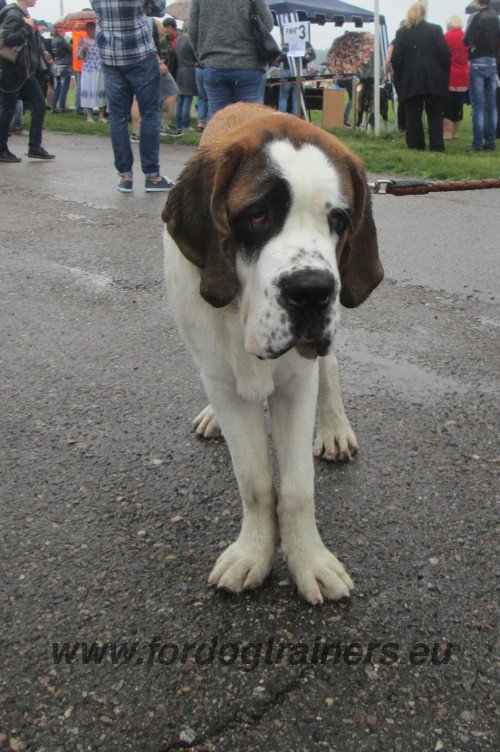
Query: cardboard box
(333, 108)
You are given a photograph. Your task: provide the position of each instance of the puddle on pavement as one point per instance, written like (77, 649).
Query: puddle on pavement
(405, 375)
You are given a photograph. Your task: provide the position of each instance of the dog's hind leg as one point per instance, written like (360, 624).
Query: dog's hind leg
(335, 439)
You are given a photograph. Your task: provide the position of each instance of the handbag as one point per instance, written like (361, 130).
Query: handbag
(266, 46)
(9, 53)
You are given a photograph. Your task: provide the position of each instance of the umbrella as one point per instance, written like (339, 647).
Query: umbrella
(351, 53)
(76, 21)
(179, 10)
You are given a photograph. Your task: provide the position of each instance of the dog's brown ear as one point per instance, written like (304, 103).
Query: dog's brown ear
(197, 219)
(359, 265)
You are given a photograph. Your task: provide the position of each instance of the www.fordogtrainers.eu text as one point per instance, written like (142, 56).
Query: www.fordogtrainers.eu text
(249, 655)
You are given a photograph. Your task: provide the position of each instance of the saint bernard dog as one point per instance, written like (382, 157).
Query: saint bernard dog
(269, 229)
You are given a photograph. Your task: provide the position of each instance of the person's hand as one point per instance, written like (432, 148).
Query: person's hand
(163, 69)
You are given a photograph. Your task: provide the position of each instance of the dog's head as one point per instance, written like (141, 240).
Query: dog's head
(277, 214)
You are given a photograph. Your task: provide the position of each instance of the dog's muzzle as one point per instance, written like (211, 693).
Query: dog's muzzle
(307, 296)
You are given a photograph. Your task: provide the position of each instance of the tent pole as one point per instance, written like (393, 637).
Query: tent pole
(376, 68)
(298, 87)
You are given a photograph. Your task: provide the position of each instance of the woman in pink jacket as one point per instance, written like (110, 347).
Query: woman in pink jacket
(459, 78)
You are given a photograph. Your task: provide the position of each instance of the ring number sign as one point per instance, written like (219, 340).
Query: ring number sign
(296, 35)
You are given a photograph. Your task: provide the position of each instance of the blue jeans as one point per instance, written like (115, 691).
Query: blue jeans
(482, 92)
(182, 111)
(202, 108)
(122, 82)
(61, 88)
(17, 121)
(285, 91)
(227, 85)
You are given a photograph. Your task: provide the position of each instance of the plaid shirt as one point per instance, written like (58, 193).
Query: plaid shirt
(123, 32)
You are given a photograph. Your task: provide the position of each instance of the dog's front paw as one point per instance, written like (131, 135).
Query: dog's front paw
(242, 566)
(335, 442)
(319, 575)
(206, 424)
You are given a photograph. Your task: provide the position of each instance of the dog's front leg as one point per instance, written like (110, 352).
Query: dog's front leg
(246, 563)
(317, 573)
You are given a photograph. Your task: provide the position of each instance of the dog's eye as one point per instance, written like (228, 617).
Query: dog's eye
(258, 219)
(337, 221)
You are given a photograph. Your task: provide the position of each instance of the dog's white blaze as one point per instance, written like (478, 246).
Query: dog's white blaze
(312, 178)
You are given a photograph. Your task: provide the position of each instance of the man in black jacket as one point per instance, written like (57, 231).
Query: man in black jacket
(482, 37)
(19, 79)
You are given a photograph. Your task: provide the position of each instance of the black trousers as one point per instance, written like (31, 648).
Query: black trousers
(414, 109)
(30, 92)
(454, 106)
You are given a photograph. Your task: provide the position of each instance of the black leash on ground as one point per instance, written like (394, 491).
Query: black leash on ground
(422, 187)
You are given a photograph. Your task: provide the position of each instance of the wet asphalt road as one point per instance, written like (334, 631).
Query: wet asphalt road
(112, 512)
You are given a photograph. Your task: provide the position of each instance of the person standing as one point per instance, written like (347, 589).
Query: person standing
(222, 40)
(170, 90)
(47, 42)
(289, 90)
(421, 62)
(19, 80)
(186, 81)
(77, 65)
(389, 72)
(459, 78)
(131, 67)
(62, 53)
(92, 91)
(168, 44)
(482, 37)
(44, 75)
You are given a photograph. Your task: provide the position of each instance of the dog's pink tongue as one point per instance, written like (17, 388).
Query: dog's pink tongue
(308, 351)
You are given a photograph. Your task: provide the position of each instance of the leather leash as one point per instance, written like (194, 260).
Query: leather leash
(422, 187)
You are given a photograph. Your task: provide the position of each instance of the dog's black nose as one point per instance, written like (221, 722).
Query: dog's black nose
(311, 288)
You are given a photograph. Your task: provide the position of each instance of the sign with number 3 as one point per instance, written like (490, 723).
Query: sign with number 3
(295, 35)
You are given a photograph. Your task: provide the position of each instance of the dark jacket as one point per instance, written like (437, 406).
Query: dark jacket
(421, 61)
(483, 34)
(185, 75)
(16, 32)
(62, 52)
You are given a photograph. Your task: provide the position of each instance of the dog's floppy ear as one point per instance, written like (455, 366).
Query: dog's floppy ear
(197, 219)
(359, 265)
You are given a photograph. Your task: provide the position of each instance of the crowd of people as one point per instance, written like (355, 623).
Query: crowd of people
(434, 72)
(138, 68)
